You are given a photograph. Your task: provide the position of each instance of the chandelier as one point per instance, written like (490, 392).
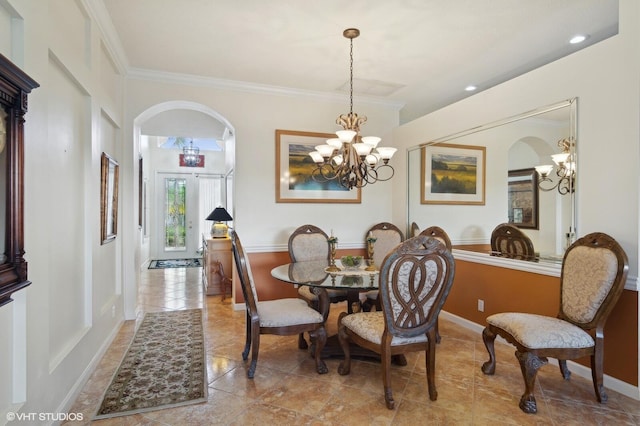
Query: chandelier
(190, 155)
(565, 169)
(350, 159)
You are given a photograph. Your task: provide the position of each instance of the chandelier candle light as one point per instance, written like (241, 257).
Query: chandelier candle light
(565, 169)
(350, 159)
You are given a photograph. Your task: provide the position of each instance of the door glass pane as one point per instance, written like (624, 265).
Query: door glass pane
(175, 191)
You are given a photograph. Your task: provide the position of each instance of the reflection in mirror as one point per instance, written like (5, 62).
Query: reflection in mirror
(514, 147)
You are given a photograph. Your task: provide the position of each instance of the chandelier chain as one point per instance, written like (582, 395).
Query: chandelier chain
(351, 161)
(351, 77)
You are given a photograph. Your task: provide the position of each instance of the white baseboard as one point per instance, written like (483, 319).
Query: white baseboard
(73, 394)
(612, 383)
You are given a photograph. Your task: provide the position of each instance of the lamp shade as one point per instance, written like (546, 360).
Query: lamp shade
(219, 214)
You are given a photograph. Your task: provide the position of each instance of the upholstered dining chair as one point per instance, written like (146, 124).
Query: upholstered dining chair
(415, 280)
(594, 271)
(439, 234)
(283, 317)
(508, 240)
(387, 236)
(309, 242)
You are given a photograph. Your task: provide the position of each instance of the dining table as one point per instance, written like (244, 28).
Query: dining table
(321, 276)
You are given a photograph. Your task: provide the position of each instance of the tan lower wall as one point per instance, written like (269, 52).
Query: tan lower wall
(510, 290)
(502, 290)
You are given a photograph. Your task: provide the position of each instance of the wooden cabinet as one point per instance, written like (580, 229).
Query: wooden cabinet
(217, 251)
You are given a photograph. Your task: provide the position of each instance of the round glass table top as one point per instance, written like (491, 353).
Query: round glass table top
(314, 273)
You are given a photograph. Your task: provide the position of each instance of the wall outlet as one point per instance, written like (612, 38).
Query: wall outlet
(480, 305)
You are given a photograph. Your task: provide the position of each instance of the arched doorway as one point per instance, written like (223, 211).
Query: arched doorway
(156, 164)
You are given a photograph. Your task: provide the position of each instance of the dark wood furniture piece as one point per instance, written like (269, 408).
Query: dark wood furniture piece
(217, 278)
(594, 272)
(309, 242)
(282, 317)
(508, 240)
(15, 85)
(216, 259)
(387, 236)
(439, 234)
(415, 280)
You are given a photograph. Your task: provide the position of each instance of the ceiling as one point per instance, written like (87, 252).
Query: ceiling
(416, 54)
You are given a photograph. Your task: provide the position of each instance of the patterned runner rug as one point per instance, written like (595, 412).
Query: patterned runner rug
(164, 366)
(175, 263)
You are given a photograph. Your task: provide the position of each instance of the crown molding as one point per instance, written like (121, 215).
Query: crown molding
(243, 86)
(109, 36)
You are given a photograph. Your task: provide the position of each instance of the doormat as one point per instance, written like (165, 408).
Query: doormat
(164, 366)
(175, 263)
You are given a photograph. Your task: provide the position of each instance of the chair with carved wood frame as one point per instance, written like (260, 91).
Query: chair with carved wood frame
(508, 240)
(439, 234)
(387, 236)
(415, 280)
(594, 272)
(309, 242)
(283, 317)
(415, 229)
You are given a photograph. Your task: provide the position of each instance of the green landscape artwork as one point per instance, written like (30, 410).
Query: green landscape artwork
(454, 174)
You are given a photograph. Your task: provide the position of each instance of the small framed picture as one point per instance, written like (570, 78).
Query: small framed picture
(517, 215)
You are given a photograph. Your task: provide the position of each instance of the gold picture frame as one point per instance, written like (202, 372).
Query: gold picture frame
(294, 166)
(109, 174)
(453, 174)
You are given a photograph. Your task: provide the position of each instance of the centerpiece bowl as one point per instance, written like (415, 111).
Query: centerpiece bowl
(351, 263)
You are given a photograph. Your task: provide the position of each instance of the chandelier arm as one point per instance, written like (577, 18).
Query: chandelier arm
(547, 189)
(384, 167)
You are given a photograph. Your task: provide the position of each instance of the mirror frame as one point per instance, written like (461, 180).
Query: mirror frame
(484, 257)
(15, 85)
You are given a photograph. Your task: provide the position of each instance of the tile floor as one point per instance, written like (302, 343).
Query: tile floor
(286, 389)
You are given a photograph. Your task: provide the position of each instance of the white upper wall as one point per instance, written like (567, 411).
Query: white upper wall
(606, 79)
(263, 224)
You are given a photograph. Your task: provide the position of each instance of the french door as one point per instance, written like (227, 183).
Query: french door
(178, 225)
(183, 203)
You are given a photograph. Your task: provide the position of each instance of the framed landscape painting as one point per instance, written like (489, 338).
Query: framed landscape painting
(109, 175)
(294, 170)
(452, 174)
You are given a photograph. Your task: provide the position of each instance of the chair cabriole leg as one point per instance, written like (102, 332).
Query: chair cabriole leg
(385, 360)
(529, 364)
(320, 337)
(489, 337)
(431, 365)
(345, 366)
(255, 337)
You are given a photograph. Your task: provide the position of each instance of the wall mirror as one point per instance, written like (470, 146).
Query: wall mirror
(514, 147)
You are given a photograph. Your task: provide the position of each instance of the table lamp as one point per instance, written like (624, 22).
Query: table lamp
(219, 229)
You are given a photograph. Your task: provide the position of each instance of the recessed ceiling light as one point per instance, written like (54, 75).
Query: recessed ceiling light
(470, 88)
(579, 38)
